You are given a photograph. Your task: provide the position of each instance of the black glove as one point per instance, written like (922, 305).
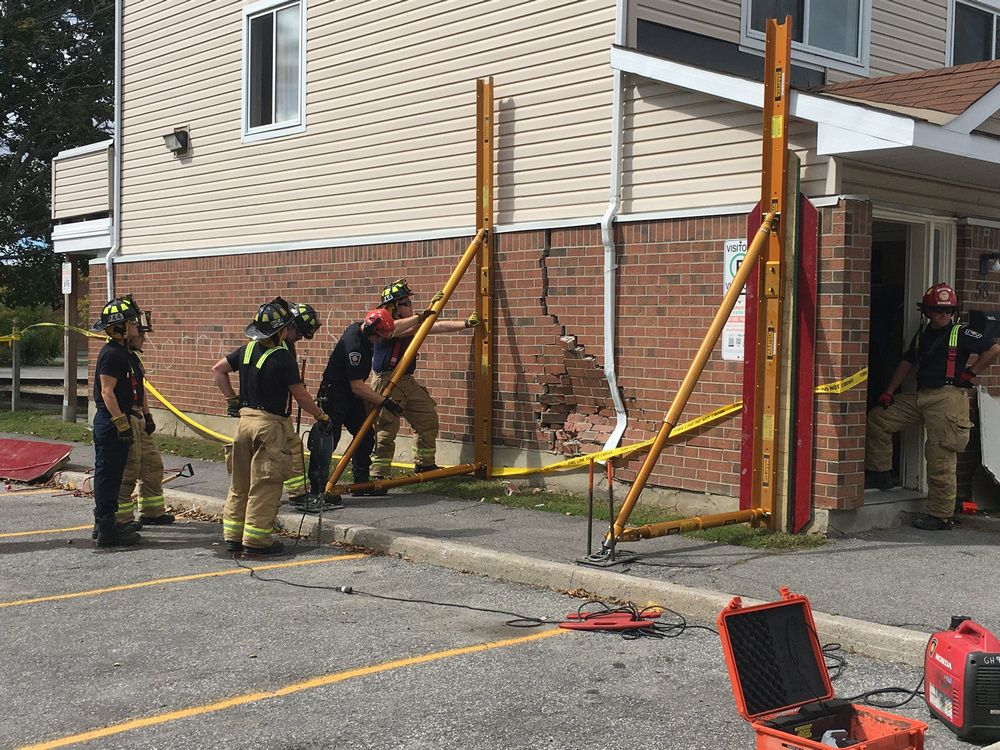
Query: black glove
(233, 406)
(392, 406)
(150, 424)
(124, 429)
(323, 425)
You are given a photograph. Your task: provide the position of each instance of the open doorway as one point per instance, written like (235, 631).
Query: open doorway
(887, 318)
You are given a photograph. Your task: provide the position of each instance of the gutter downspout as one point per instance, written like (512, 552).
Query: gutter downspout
(116, 170)
(608, 233)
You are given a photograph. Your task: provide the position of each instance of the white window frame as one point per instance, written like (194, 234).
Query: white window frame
(278, 129)
(990, 6)
(752, 40)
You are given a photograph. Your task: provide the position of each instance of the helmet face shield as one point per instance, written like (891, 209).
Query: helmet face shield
(145, 321)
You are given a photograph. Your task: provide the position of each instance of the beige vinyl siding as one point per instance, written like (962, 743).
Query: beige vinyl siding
(80, 185)
(907, 35)
(686, 150)
(917, 192)
(719, 19)
(390, 137)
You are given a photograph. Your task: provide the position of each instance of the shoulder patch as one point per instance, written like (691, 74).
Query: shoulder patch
(355, 358)
(973, 334)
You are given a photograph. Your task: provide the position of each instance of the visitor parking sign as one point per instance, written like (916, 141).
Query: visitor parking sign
(734, 251)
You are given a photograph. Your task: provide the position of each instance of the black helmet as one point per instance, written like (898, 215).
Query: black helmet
(396, 291)
(144, 319)
(305, 319)
(116, 314)
(271, 317)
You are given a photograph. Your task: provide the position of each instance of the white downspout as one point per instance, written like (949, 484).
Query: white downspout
(116, 169)
(608, 233)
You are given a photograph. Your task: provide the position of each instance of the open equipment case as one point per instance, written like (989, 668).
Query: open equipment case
(782, 686)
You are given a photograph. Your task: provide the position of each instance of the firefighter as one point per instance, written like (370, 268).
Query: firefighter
(114, 396)
(144, 465)
(419, 409)
(259, 459)
(305, 323)
(347, 396)
(939, 351)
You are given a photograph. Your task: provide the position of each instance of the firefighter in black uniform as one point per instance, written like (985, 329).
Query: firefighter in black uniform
(346, 396)
(260, 459)
(115, 395)
(939, 351)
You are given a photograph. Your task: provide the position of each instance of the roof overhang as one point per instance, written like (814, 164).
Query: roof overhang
(862, 133)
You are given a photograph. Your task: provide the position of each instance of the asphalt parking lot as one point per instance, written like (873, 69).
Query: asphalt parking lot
(172, 644)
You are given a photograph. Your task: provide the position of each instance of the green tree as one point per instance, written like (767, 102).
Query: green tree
(56, 92)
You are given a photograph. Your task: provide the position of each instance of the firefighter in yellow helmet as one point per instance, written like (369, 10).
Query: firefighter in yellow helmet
(114, 396)
(305, 323)
(939, 351)
(419, 409)
(259, 459)
(144, 470)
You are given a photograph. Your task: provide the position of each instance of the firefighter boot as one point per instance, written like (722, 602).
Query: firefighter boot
(878, 480)
(928, 522)
(110, 534)
(124, 528)
(161, 520)
(362, 477)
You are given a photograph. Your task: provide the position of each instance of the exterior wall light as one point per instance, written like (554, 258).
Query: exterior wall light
(178, 141)
(989, 263)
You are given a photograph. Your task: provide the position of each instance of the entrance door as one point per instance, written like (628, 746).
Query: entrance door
(909, 254)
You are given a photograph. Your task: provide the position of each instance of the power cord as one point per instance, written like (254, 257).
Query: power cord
(656, 630)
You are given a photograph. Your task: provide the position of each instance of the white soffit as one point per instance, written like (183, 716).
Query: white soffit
(842, 128)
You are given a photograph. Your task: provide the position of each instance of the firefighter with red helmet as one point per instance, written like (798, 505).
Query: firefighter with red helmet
(260, 459)
(939, 352)
(419, 408)
(346, 395)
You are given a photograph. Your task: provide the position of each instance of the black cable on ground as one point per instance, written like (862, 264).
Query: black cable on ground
(656, 630)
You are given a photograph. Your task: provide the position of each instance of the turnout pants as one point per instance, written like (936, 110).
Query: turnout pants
(143, 469)
(944, 412)
(296, 480)
(258, 462)
(110, 457)
(419, 410)
(350, 414)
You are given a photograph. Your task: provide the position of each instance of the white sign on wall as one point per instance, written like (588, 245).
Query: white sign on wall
(67, 278)
(734, 251)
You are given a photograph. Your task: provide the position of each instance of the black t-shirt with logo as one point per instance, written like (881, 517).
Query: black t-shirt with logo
(266, 378)
(351, 360)
(114, 361)
(929, 352)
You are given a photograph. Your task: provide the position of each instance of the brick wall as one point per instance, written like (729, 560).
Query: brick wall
(550, 392)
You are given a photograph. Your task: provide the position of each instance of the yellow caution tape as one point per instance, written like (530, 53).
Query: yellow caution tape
(846, 384)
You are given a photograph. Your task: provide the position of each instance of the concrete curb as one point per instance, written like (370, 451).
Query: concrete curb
(883, 642)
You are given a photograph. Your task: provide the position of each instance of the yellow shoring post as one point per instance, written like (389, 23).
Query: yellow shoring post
(691, 524)
(482, 348)
(424, 476)
(770, 287)
(693, 373)
(411, 353)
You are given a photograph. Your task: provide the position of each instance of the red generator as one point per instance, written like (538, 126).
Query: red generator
(962, 679)
(782, 686)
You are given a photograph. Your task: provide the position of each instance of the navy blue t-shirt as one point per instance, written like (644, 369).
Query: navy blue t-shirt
(929, 352)
(115, 361)
(388, 352)
(351, 360)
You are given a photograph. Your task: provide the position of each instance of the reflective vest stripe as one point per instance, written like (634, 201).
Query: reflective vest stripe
(248, 353)
(949, 373)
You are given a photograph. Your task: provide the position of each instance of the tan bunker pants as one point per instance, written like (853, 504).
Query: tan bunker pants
(419, 409)
(144, 471)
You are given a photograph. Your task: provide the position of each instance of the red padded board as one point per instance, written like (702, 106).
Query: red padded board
(27, 460)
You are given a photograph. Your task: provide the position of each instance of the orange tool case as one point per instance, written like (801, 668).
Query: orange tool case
(782, 686)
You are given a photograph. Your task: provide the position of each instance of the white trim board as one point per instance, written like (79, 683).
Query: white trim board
(90, 148)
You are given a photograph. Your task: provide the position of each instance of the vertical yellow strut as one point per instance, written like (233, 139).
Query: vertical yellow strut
(770, 286)
(482, 428)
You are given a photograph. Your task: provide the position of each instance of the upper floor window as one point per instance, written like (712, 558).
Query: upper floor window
(273, 69)
(831, 33)
(974, 32)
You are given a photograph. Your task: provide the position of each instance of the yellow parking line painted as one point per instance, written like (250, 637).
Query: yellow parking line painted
(295, 687)
(177, 579)
(47, 490)
(45, 531)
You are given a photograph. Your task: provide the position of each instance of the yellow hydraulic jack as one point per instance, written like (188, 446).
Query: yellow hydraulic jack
(768, 244)
(479, 250)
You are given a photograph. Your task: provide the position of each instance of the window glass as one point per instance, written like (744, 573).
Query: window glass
(833, 25)
(761, 10)
(261, 64)
(973, 40)
(286, 69)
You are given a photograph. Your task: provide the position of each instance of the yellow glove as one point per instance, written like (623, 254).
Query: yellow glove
(437, 296)
(472, 321)
(121, 423)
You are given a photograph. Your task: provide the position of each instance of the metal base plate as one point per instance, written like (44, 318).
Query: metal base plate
(603, 560)
(310, 503)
